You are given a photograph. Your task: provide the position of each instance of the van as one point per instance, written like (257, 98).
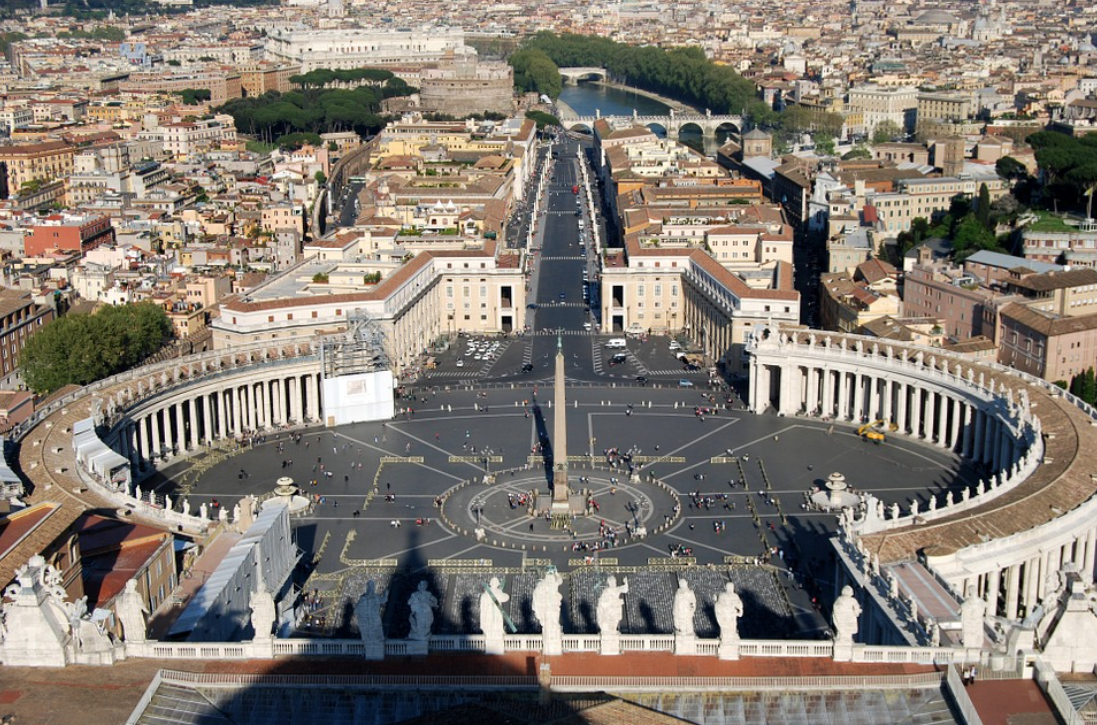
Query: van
(617, 343)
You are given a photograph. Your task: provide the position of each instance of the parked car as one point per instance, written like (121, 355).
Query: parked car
(641, 379)
(683, 383)
(527, 368)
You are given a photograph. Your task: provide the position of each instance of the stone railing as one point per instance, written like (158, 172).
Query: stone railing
(174, 366)
(876, 520)
(784, 649)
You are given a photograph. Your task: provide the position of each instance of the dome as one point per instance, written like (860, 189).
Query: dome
(935, 17)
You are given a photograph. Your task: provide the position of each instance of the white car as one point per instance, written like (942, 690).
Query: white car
(460, 363)
(586, 326)
(674, 345)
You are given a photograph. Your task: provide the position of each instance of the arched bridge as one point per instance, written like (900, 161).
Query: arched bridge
(574, 75)
(673, 124)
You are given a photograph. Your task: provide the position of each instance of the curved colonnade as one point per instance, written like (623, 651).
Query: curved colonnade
(1005, 538)
(169, 410)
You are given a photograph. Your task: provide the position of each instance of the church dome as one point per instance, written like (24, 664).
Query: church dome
(935, 17)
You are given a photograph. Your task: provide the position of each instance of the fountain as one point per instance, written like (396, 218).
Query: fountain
(837, 495)
(286, 494)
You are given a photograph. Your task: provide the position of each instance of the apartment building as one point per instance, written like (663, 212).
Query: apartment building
(33, 162)
(1047, 346)
(259, 78)
(927, 198)
(74, 233)
(222, 85)
(1073, 246)
(849, 302)
(182, 140)
(367, 47)
(683, 290)
(436, 293)
(20, 318)
(876, 104)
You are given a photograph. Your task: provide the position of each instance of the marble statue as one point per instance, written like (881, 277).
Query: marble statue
(972, 611)
(934, 635)
(685, 606)
(729, 607)
(368, 611)
(490, 614)
(847, 610)
(611, 606)
(186, 507)
(263, 613)
(131, 612)
(546, 603)
(422, 604)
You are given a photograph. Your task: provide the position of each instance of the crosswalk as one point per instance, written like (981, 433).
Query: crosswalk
(564, 258)
(448, 375)
(554, 333)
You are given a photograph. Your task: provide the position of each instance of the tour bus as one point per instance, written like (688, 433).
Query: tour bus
(617, 342)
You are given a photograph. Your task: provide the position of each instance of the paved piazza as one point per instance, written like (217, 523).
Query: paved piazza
(380, 486)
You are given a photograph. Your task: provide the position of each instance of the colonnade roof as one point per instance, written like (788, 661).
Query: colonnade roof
(1063, 481)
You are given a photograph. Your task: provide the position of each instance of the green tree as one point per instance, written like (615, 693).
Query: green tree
(542, 119)
(534, 71)
(1089, 386)
(971, 236)
(860, 151)
(1010, 168)
(80, 349)
(982, 207)
(321, 178)
(824, 144)
(887, 131)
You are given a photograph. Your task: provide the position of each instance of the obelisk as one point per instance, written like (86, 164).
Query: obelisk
(560, 495)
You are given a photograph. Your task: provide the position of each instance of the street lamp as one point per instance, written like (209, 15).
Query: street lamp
(478, 509)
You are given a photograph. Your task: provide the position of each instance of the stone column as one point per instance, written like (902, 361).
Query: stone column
(915, 411)
(311, 398)
(755, 373)
(828, 392)
(1087, 555)
(904, 397)
(1013, 585)
(942, 421)
(875, 409)
(1005, 449)
(979, 440)
(143, 440)
(994, 583)
(222, 415)
(295, 398)
(194, 427)
(207, 419)
(859, 383)
(812, 404)
(1032, 583)
(886, 407)
(968, 430)
(180, 429)
(843, 395)
(280, 401)
(249, 406)
(957, 418)
(930, 419)
(155, 415)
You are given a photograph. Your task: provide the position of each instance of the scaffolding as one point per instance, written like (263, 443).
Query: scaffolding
(361, 349)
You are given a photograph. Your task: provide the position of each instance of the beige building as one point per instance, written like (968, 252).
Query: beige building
(876, 104)
(935, 109)
(34, 162)
(686, 290)
(435, 294)
(926, 198)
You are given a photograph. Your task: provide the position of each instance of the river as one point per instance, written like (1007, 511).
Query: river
(586, 99)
